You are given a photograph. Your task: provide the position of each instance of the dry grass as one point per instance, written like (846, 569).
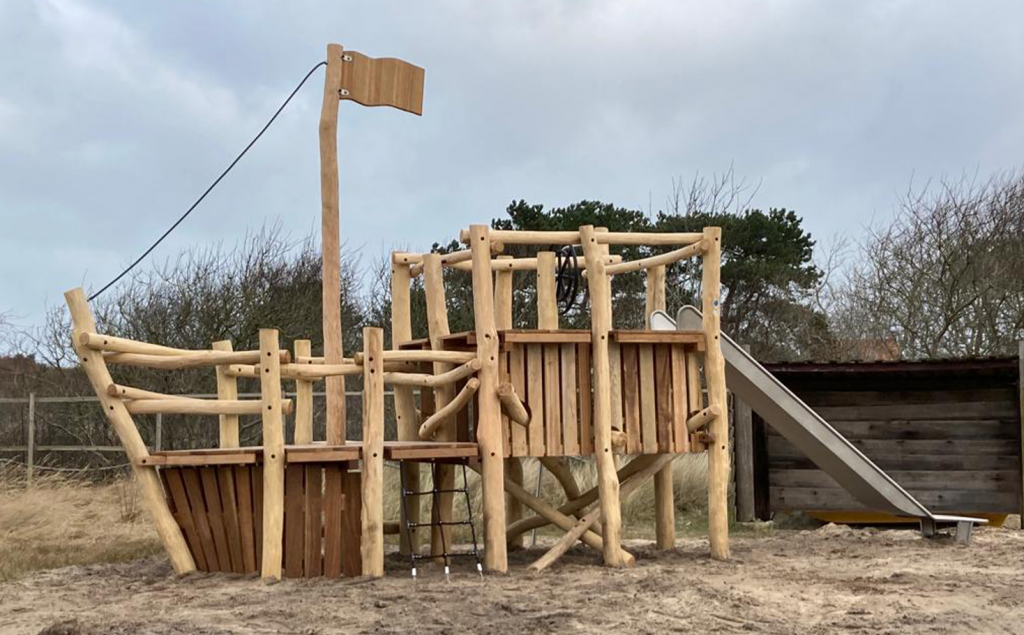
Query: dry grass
(64, 521)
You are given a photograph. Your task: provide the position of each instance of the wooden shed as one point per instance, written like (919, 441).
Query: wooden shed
(949, 431)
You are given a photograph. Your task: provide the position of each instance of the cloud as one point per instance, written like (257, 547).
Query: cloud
(114, 116)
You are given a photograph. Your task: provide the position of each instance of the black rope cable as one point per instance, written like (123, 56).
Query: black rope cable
(208, 190)
(567, 284)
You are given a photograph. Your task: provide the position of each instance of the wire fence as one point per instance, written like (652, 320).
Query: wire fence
(71, 434)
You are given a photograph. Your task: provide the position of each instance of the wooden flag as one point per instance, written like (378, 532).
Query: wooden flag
(382, 82)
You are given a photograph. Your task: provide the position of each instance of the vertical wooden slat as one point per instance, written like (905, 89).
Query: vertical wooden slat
(504, 377)
(229, 505)
(211, 493)
(462, 431)
(197, 503)
(314, 522)
(185, 515)
(681, 438)
(294, 520)
(257, 512)
(694, 393)
(517, 362)
(615, 368)
(535, 398)
(552, 401)
(570, 422)
(663, 395)
(246, 526)
(631, 397)
(333, 528)
(648, 408)
(586, 397)
(351, 524)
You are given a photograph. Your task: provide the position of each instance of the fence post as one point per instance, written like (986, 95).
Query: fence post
(158, 441)
(1020, 404)
(30, 449)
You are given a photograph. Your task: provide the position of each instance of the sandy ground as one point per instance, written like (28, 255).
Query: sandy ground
(829, 580)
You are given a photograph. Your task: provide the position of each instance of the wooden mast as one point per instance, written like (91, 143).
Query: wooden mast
(331, 244)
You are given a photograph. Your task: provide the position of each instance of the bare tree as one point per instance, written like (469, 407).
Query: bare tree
(946, 277)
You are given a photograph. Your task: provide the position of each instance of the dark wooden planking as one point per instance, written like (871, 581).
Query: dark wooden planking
(517, 375)
(535, 398)
(583, 380)
(351, 526)
(663, 396)
(294, 520)
(909, 462)
(215, 512)
(983, 429)
(906, 397)
(333, 503)
(320, 453)
(257, 511)
(552, 401)
(681, 438)
(779, 447)
(631, 397)
(229, 505)
(929, 411)
(943, 501)
(185, 516)
(695, 338)
(246, 522)
(914, 480)
(313, 521)
(197, 502)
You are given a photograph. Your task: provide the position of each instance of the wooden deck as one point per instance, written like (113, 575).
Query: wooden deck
(315, 453)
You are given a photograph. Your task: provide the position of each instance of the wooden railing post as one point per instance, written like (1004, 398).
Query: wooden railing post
(30, 449)
(714, 374)
(273, 455)
(303, 398)
(664, 494)
(153, 498)
(372, 549)
(489, 417)
(601, 319)
(227, 388)
(743, 418)
(405, 406)
(503, 287)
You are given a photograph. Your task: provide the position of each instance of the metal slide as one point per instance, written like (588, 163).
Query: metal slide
(812, 435)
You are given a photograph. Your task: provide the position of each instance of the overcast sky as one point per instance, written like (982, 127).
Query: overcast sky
(114, 116)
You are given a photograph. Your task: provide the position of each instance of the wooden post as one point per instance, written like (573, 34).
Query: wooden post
(331, 244)
(1020, 402)
(744, 452)
(547, 306)
(503, 287)
(489, 417)
(158, 443)
(303, 399)
(30, 449)
(601, 319)
(405, 406)
(273, 455)
(227, 388)
(664, 494)
(437, 328)
(714, 374)
(153, 498)
(372, 516)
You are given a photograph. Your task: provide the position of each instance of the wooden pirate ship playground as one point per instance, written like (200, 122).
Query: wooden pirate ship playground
(483, 400)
